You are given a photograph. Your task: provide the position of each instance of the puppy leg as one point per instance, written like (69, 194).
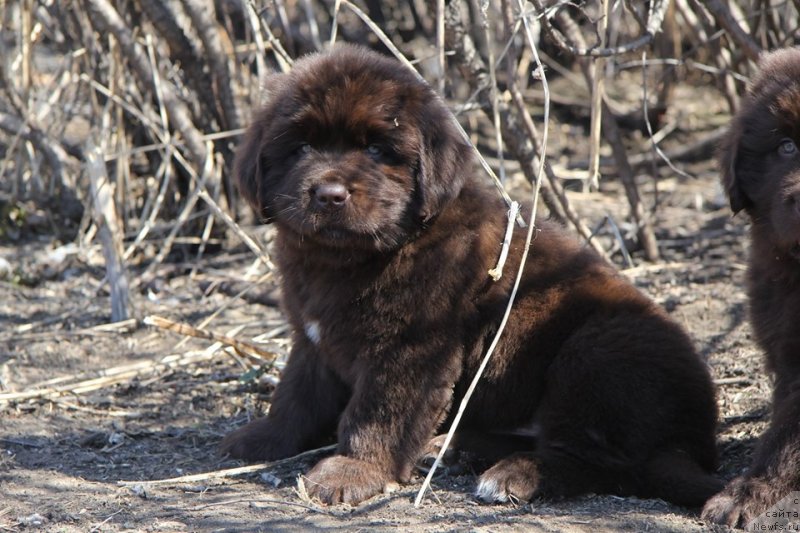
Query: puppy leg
(626, 400)
(775, 471)
(392, 414)
(304, 409)
(550, 473)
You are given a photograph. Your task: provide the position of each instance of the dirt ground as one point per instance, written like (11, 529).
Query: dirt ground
(64, 454)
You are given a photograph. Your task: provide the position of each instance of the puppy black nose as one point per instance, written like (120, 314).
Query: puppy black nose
(330, 194)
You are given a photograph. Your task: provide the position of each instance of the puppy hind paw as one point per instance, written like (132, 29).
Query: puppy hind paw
(513, 479)
(722, 509)
(740, 502)
(489, 491)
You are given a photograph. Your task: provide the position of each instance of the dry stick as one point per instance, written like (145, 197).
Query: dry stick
(150, 211)
(313, 27)
(52, 150)
(727, 21)
(261, 48)
(523, 141)
(183, 50)
(284, 60)
(723, 57)
(183, 216)
(244, 348)
(279, 8)
(28, 127)
(203, 15)
(200, 192)
(658, 9)
(653, 141)
(597, 73)
(164, 136)
(337, 6)
(228, 302)
(693, 149)
(110, 232)
(520, 271)
(108, 19)
(645, 232)
(110, 376)
(246, 239)
(440, 51)
(555, 183)
(613, 136)
(497, 272)
(230, 472)
(495, 97)
(260, 503)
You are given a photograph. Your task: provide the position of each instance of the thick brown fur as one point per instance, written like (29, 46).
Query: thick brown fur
(384, 241)
(760, 167)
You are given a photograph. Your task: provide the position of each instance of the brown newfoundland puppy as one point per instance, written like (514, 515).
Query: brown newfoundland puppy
(384, 241)
(760, 163)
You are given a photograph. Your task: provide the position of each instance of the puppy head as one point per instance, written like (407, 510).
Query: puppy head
(760, 156)
(351, 150)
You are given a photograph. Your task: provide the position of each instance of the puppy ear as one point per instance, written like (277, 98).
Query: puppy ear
(250, 166)
(727, 155)
(444, 158)
(249, 169)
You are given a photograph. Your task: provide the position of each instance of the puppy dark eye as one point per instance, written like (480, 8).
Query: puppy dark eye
(374, 150)
(304, 148)
(787, 148)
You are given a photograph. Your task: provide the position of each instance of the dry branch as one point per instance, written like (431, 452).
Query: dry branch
(229, 472)
(81, 384)
(724, 18)
(522, 139)
(110, 232)
(107, 19)
(243, 348)
(657, 12)
(613, 136)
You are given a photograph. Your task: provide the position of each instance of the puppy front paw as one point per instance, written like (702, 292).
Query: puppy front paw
(256, 441)
(341, 479)
(513, 479)
(739, 503)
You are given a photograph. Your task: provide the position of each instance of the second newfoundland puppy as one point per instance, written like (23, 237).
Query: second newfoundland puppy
(384, 241)
(760, 169)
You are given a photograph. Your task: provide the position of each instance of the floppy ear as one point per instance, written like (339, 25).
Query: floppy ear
(443, 162)
(250, 166)
(727, 155)
(249, 169)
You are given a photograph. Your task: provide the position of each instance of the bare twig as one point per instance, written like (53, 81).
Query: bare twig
(724, 18)
(597, 74)
(658, 10)
(243, 348)
(229, 472)
(108, 19)
(75, 385)
(110, 232)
